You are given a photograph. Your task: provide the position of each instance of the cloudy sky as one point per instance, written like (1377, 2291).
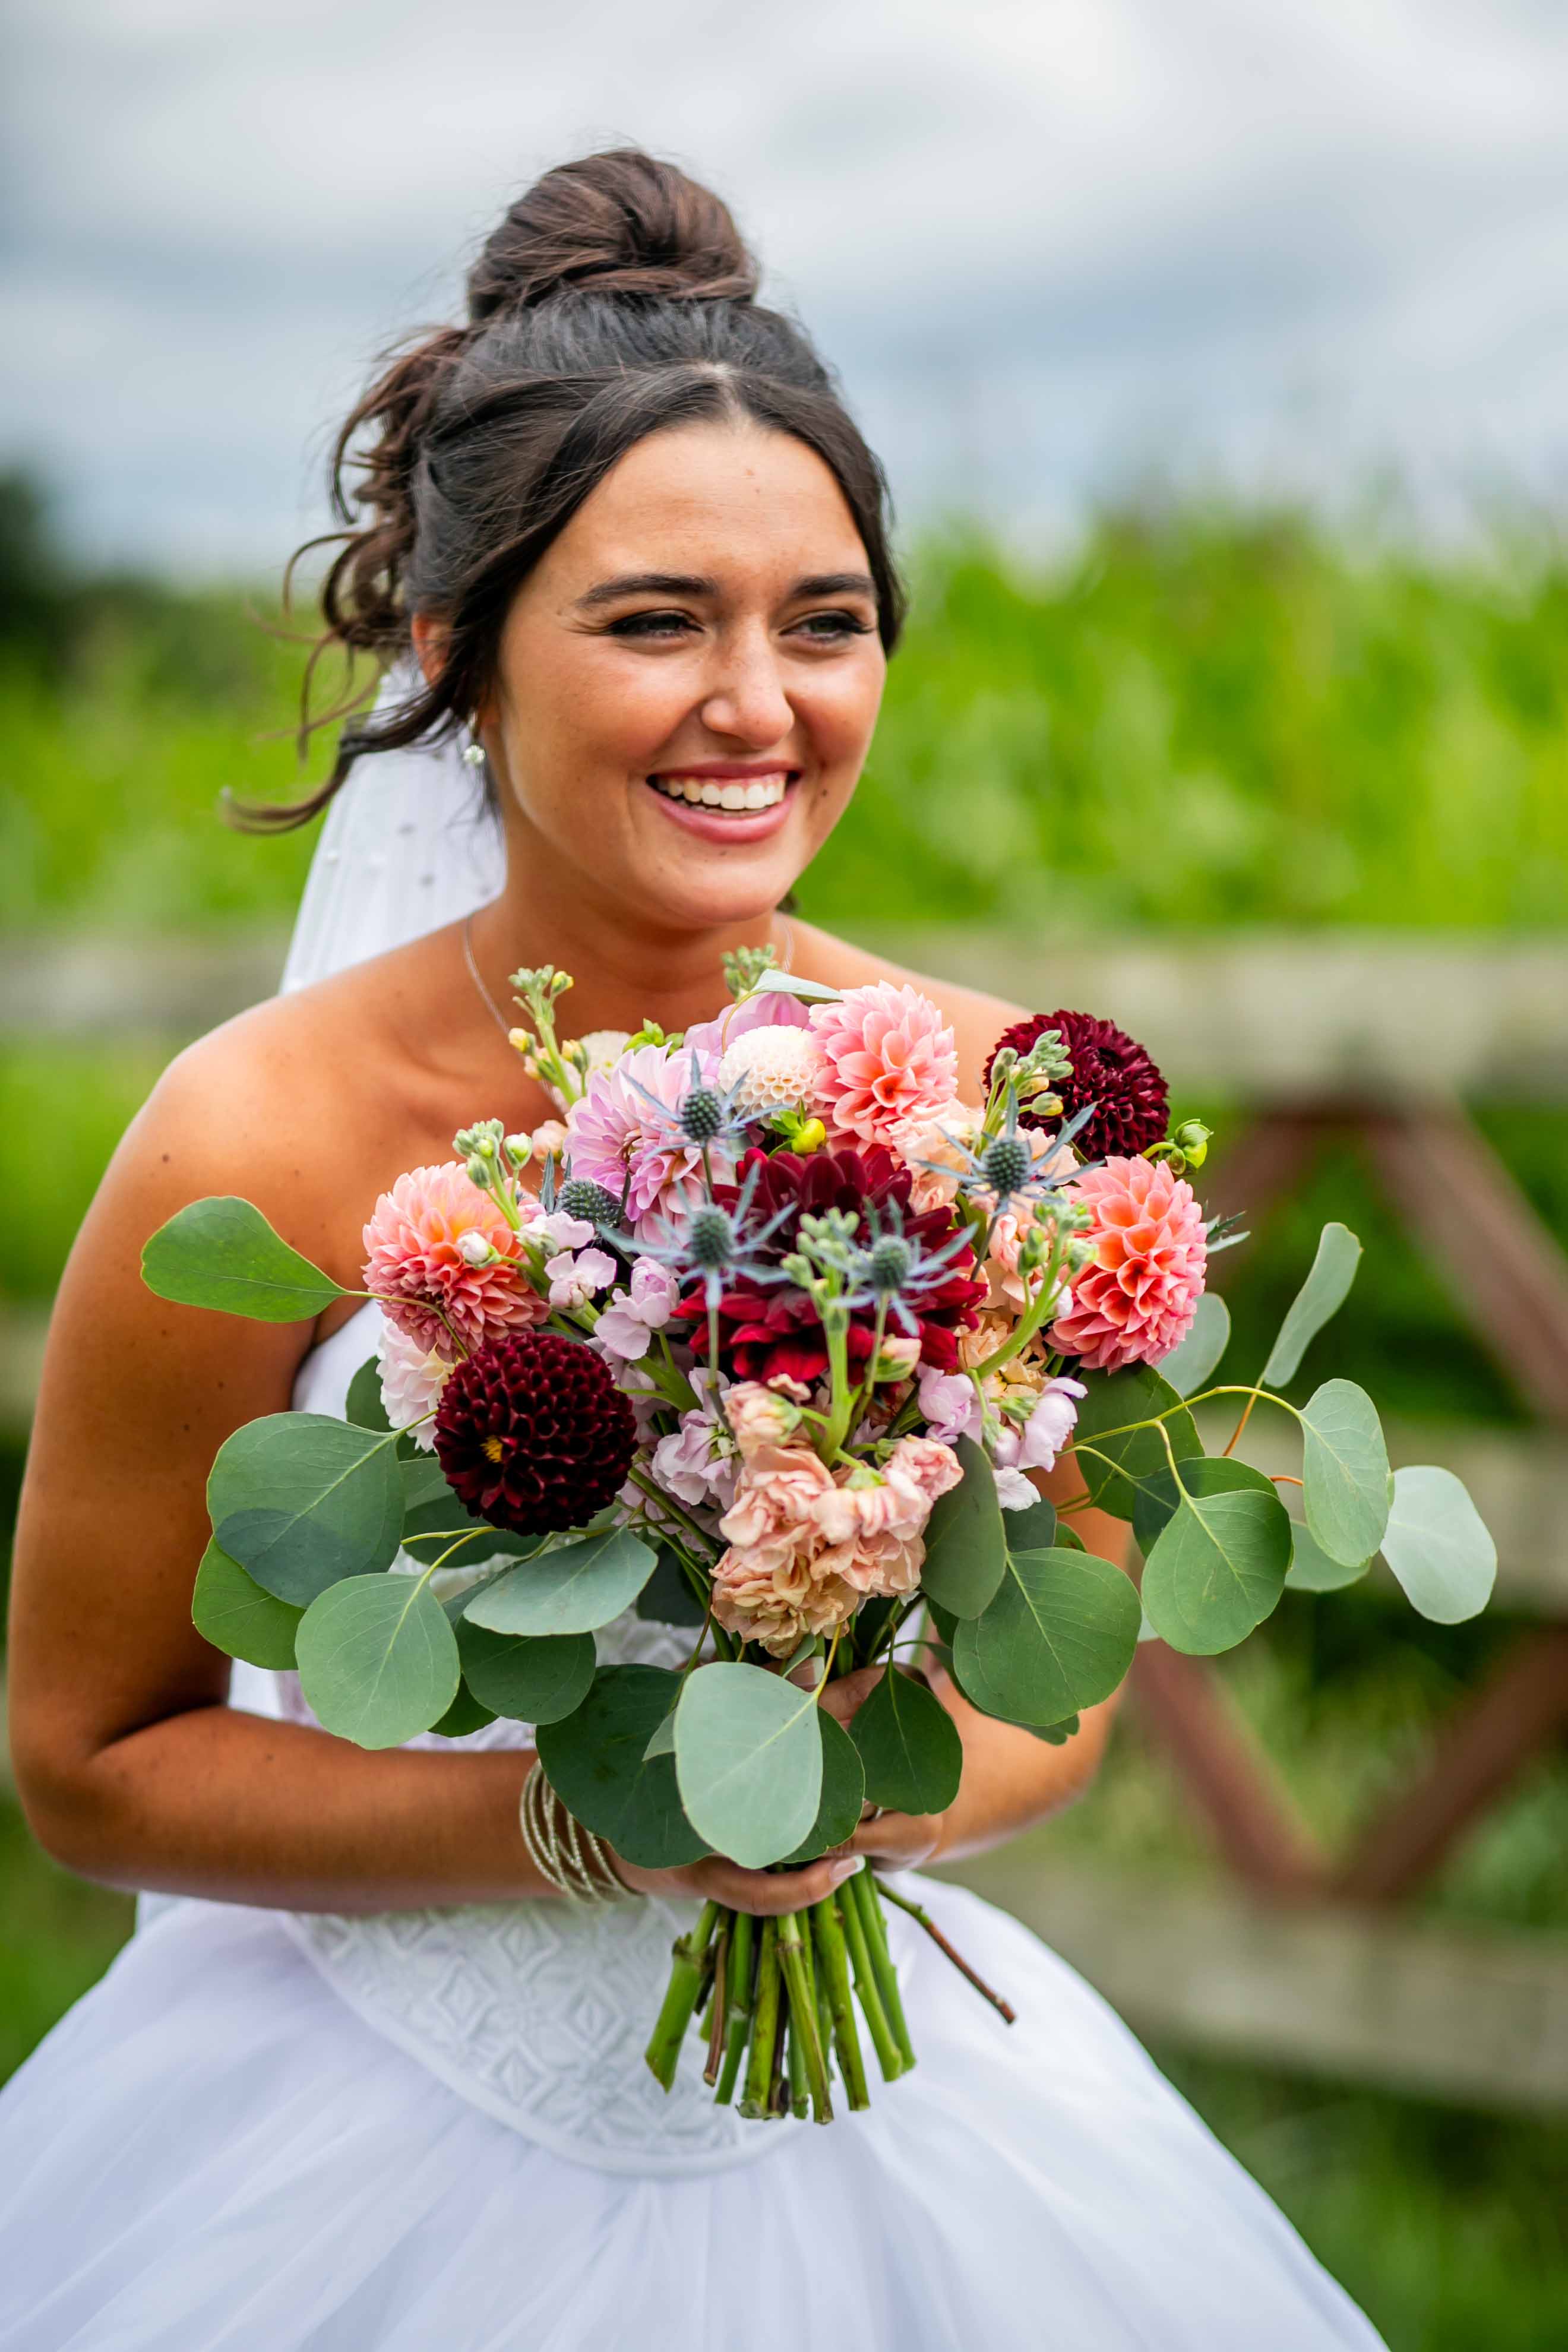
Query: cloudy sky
(1050, 243)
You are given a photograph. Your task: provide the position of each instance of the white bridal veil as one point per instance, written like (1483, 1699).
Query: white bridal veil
(408, 844)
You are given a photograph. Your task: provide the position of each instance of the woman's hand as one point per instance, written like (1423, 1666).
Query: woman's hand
(764, 1893)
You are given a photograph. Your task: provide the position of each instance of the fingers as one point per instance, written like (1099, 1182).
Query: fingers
(845, 1698)
(769, 1894)
(905, 1839)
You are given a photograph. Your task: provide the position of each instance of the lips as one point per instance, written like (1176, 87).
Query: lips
(734, 793)
(733, 806)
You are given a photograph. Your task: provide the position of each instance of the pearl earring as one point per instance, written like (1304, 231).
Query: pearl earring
(473, 755)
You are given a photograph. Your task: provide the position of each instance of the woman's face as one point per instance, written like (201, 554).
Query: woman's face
(688, 679)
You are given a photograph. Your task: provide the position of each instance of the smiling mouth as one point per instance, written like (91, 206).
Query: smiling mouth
(731, 796)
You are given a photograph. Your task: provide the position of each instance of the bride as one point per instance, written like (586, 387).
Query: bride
(364, 2079)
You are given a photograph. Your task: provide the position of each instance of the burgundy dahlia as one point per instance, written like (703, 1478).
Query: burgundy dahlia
(1110, 1070)
(767, 1329)
(533, 1434)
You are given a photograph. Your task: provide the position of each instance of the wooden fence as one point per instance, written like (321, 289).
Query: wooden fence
(1302, 1956)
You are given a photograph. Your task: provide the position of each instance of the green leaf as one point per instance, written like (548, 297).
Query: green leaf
(466, 1715)
(364, 1406)
(1187, 1368)
(230, 1610)
(572, 1589)
(378, 1662)
(663, 1740)
(1203, 1474)
(596, 1757)
(966, 1549)
(1311, 1569)
(1219, 1569)
(532, 1678)
(1119, 1467)
(910, 1746)
(1345, 1472)
(775, 982)
(1058, 1636)
(1034, 1530)
(302, 1500)
(1438, 1546)
(222, 1253)
(1321, 1296)
(1054, 1735)
(843, 1797)
(667, 1599)
(749, 1761)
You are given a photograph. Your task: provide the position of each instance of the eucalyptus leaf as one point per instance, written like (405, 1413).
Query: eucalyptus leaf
(596, 1757)
(748, 1760)
(909, 1746)
(663, 1740)
(222, 1254)
(667, 1599)
(574, 1588)
(843, 1797)
(435, 1519)
(1321, 1296)
(1218, 1568)
(1054, 1735)
(965, 1544)
(1345, 1486)
(1311, 1569)
(1034, 1529)
(466, 1715)
(1187, 1368)
(775, 982)
(378, 1662)
(364, 1405)
(533, 1678)
(1438, 1546)
(303, 1499)
(1115, 1468)
(1058, 1636)
(231, 1610)
(1203, 1474)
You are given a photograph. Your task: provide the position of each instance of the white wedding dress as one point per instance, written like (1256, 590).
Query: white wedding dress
(433, 2131)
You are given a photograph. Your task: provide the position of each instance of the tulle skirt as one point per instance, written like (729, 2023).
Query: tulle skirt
(213, 2153)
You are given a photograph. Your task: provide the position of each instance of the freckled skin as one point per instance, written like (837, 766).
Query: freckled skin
(130, 1767)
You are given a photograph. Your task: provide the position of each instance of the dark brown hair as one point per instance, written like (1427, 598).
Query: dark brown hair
(616, 299)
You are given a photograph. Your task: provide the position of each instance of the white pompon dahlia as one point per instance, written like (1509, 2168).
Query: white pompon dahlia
(772, 1068)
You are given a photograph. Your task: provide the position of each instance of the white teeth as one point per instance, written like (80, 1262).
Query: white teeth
(734, 796)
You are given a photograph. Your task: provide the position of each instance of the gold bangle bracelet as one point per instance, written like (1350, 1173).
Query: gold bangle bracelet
(566, 1856)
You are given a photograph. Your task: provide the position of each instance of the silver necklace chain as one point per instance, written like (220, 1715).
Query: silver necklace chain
(499, 1017)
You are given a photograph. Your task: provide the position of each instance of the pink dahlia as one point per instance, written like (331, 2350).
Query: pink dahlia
(417, 1264)
(618, 1138)
(887, 1058)
(1137, 1301)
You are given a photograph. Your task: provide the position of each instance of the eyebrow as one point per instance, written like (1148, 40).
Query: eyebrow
(691, 584)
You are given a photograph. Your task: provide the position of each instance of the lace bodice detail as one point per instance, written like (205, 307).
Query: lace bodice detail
(537, 2011)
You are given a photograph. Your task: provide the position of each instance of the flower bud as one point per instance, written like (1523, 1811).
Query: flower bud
(474, 1249)
(479, 1173)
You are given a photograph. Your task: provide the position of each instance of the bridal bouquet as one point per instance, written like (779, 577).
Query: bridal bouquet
(764, 1339)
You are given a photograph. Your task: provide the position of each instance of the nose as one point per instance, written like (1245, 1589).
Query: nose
(746, 698)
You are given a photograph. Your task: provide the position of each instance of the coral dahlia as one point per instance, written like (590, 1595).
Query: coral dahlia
(887, 1058)
(533, 1434)
(414, 1262)
(1137, 1301)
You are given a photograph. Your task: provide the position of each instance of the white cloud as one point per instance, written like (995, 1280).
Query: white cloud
(1042, 238)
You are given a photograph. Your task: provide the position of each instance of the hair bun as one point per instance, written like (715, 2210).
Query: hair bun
(616, 223)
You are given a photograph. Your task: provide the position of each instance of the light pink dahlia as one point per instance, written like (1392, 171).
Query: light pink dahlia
(1137, 1301)
(887, 1058)
(615, 1133)
(414, 1263)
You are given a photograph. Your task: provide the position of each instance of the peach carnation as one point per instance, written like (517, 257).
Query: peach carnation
(760, 1416)
(887, 1058)
(1137, 1301)
(416, 1264)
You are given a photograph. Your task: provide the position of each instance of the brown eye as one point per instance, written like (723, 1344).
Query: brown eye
(651, 625)
(830, 628)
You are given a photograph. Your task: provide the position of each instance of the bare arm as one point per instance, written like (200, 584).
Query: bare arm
(131, 1766)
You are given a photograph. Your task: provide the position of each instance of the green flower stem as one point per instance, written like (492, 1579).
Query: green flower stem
(765, 2025)
(867, 1988)
(862, 1891)
(799, 2091)
(682, 1996)
(743, 1943)
(1029, 1322)
(806, 2049)
(924, 1920)
(720, 2005)
(834, 1332)
(833, 1968)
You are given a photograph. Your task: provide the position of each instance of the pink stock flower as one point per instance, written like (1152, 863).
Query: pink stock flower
(414, 1262)
(695, 1462)
(575, 1275)
(412, 1379)
(1034, 1446)
(617, 1137)
(627, 1324)
(1137, 1301)
(887, 1058)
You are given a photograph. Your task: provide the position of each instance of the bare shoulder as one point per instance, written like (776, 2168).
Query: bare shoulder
(977, 1019)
